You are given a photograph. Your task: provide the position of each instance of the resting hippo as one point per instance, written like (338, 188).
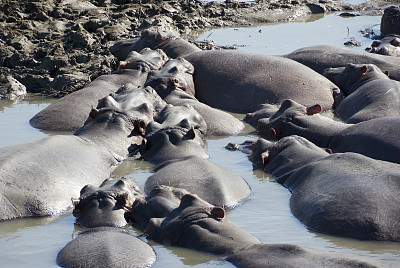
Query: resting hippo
(389, 45)
(345, 194)
(39, 178)
(240, 82)
(104, 247)
(69, 113)
(369, 92)
(198, 225)
(375, 138)
(171, 44)
(320, 58)
(390, 21)
(106, 205)
(177, 132)
(174, 83)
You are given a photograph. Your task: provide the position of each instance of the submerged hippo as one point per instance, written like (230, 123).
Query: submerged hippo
(344, 194)
(376, 138)
(240, 82)
(174, 83)
(39, 178)
(369, 92)
(389, 45)
(70, 112)
(198, 225)
(322, 57)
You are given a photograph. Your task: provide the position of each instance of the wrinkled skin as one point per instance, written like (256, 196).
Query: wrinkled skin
(389, 45)
(390, 21)
(174, 82)
(198, 225)
(322, 57)
(369, 92)
(105, 247)
(157, 204)
(171, 44)
(106, 205)
(356, 200)
(224, 188)
(70, 112)
(39, 178)
(266, 79)
(177, 132)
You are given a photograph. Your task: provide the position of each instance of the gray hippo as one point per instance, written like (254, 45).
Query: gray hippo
(388, 45)
(198, 225)
(240, 82)
(105, 247)
(70, 112)
(171, 44)
(103, 209)
(174, 141)
(344, 194)
(375, 138)
(39, 178)
(322, 57)
(369, 92)
(174, 83)
(390, 21)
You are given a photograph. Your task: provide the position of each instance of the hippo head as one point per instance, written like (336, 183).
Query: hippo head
(160, 201)
(263, 111)
(106, 205)
(351, 77)
(177, 131)
(198, 225)
(389, 45)
(146, 60)
(277, 125)
(176, 74)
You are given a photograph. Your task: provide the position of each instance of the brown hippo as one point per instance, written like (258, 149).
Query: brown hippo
(344, 194)
(39, 178)
(369, 92)
(69, 113)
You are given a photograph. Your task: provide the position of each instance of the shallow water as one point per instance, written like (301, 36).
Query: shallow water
(266, 215)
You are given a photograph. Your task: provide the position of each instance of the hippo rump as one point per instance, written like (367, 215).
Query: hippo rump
(198, 225)
(322, 57)
(39, 178)
(174, 83)
(70, 112)
(369, 92)
(376, 138)
(104, 247)
(388, 45)
(344, 194)
(240, 82)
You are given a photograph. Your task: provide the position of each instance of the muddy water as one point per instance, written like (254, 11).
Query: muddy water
(266, 215)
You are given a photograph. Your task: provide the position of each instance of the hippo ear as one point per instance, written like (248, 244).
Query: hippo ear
(191, 134)
(363, 69)
(264, 158)
(140, 126)
(94, 112)
(125, 200)
(218, 213)
(387, 73)
(315, 109)
(75, 202)
(173, 83)
(329, 151)
(273, 132)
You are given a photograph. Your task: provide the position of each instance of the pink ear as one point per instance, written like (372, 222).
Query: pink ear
(93, 113)
(364, 69)
(273, 133)
(315, 109)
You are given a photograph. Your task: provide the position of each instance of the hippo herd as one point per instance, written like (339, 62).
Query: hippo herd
(165, 98)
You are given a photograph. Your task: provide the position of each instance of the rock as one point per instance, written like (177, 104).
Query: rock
(11, 88)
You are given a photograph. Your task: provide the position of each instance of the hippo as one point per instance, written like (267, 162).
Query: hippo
(174, 83)
(388, 45)
(390, 21)
(265, 79)
(103, 247)
(170, 43)
(39, 178)
(319, 58)
(369, 92)
(198, 225)
(295, 119)
(107, 204)
(70, 112)
(343, 194)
